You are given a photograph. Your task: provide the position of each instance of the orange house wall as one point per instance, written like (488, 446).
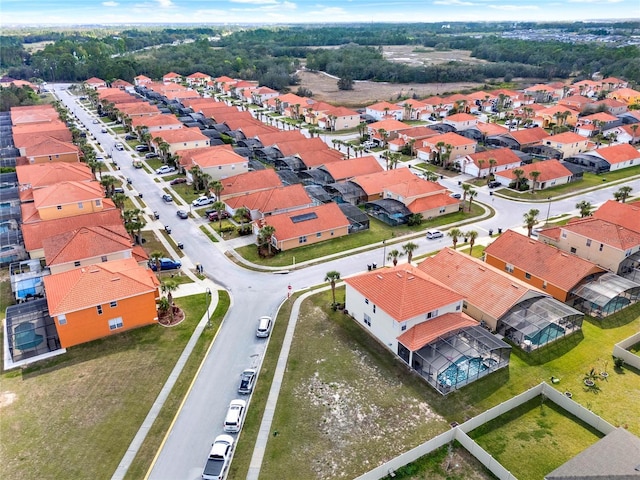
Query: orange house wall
(311, 239)
(70, 210)
(64, 157)
(87, 325)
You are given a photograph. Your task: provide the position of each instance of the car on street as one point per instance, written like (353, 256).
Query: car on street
(96, 121)
(235, 416)
(219, 458)
(182, 214)
(247, 380)
(151, 155)
(118, 190)
(433, 234)
(178, 180)
(494, 184)
(165, 169)
(99, 158)
(165, 264)
(456, 195)
(119, 146)
(265, 324)
(202, 200)
(167, 198)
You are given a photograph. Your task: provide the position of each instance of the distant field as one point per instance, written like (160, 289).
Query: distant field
(34, 47)
(417, 56)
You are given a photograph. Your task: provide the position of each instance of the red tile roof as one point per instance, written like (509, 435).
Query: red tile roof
(432, 201)
(272, 200)
(94, 285)
(461, 117)
(450, 138)
(529, 136)
(626, 215)
(566, 137)
(389, 125)
(489, 289)
(375, 183)
(270, 139)
(426, 332)
(549, 170)
(250, 182)
(45, 174)
(301, 146)
(381, 106)
(541, 260)
(155, 121)
(327, 217)
(618, 153)
(492, 128)
(50, 146)
(345, 169)
(403, 292)
(605, 232)
(181, 135)
(67, 192)
(84, 243)
(216, 156)
(317, 158)
(33, 114)
(414, 187)
(502, 156)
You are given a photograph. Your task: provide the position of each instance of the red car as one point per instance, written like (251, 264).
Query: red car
(178, 180)
(213, 216)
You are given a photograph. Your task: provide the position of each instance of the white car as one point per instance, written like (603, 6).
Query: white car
(432, 234)
(264, 327)
(219, 458)
(202, 201)
(165, 169)
(235, 416)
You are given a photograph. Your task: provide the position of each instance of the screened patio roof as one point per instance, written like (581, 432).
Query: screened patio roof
(605, 288)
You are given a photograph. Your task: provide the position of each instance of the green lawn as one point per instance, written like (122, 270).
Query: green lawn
(93, 399)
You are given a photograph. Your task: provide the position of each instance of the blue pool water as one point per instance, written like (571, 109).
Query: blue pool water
(547, 334)
(460, 370)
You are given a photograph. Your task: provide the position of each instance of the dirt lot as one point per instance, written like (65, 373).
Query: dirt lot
(325, 88)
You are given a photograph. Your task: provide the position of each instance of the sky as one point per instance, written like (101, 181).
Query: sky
(92, 12)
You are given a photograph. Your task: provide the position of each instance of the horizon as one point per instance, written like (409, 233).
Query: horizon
(111, 13)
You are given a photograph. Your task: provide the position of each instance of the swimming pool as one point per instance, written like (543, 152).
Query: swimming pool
(546, 335)
(461, 370)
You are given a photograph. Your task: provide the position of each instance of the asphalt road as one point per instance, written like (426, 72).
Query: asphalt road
(254, 294)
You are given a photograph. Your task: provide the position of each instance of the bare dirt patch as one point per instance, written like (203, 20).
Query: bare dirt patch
(7, 398)
(423, 56)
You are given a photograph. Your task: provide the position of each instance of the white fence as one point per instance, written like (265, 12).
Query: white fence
(460, 432)
(620, 351)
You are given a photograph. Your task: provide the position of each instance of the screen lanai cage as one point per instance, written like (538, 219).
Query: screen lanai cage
(607, 294)
(535, 322)
(460, 357)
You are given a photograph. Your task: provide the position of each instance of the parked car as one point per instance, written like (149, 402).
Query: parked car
(96, 121)
(456, 195)
(264, 327)
(151, 155)
(129, 136)
(99, 158)
(104, 130)
(213, 216)
(432, 234)
(202, 200)
(235, 416)
(165, 264)
(118, 190)
(142, 148)
(178, 180)
(167, 198)
(219, 458)
(182, 214)
(494, 184)
(247, 379)
(119, 146)
(165, 169)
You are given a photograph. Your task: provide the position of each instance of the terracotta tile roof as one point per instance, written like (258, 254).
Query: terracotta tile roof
(617, 153)
(121, 84)
(35, 233)
(94, 81)
(552, 110)
(540, 87)
(566, 137)
(575, 100)
(155, 121)
(327, 217)
(182, 135)
(343, 112)
(318, 158)
(44, 174)
(461, 117)
(414, 187)
(600, 116)
(290, 98)
(605, 232)
(541, 260)
(529, 136)
(403, 292)
(172, 75)
(223, 79)
(450, 138)
(419, 132)
(432, 201)
(491, 128)
(481, 95)
(301, 146)
(270, 139)
(549, 170)
(137, 108)
(411, 101)
(426, 332)
(67, 192)
(250, 182)
(489, 289)
(50, 146)
(41, 114)
(389, 125)
(380, 106)
(345, 169)
(210, 111)
(32, 133)
(434, 101)
(94, 285)
(455, 98)
(272, 200)
(256, 129)
(375, 183)
(626, 215)
(84, 243)
(502, 156)
(237, 121)
(265, 91)
(215, 156)
(199, 75)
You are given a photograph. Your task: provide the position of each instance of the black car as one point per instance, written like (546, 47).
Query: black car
(130, 137)
(151, 155)
(494, 184)
(247, 379)
(142, 148)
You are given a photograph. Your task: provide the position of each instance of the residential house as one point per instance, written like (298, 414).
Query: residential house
(613, 83)
(527, 137)
(347, 169)
(626, 215)
(34, 133)
(374, 184)
(578, 103)
(101, 300)
(33, 177)
(180, 139)
(172, 77)
(450, 144)
(316, 158)
(618, 156)
(67, 199)
(218, 162)
(586, 88)
(261, 94)
(221, 82)
(614, 107)
(142, 80)
(42, 114)
(305, 226)
(198, 79)
(626, 95)
(541, 93)
(550, 173)
(384, 130)
(600, 122)
(429, 199)
(95, 83)
(560, 115)
(135, 109)
(270, 202)
(627, 133)
(568, 143)
(461, 121)
(385, 111)
(338, 119)
(412, 108)
(49, 149)
(156, 123)
(250, 182)
(482, 164)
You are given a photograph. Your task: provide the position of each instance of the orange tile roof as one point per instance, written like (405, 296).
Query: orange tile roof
(600, 116)
(389, 125)
(549, 170)
(552, 110)
(199, 75)
(502, 156)
(461, 117)
(272, 200)
(426, 332)
(375, 183)
(380, 106)
(605, 232)
(566, 137)
(351, 168)
(317, 158)
(45, 174)
(155, 121)
(414, 187)
(491, 128)
(489, 289)
(255, 129)
(297, 147)
(84, 243)
(328, 217)
(430, 202)
(529, 136)
(216, 156)
(618, 153)
(94, 81)
(35, 233)
(541, 260)
(42, 114)
(270, 139)
(343, 112)
(626, 215)
(137, 108)
(250, 182)
(50, 146)
(67, 192)
(26, 134)
(450, 138)
(419, 132)
(223, 79)
(181, 135)
(172, 75)
(87, 287)
(237, 120)
(403, 292)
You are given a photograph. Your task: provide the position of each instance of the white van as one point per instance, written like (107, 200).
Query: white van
(235, 416)
(432, 234)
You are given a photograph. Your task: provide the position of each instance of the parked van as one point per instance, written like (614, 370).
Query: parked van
(235, 416)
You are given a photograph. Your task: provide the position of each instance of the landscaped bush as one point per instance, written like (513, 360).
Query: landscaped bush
(244, 230)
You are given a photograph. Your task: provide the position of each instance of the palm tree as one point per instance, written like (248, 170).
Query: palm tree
(265, 235)
(169, 286)
(332, 277)
(622, 194)
(242, 213)
(492, 164)
(472, 194)
(531, 220)
(480, 165)
(408, 249)
(155, 257)
(109, 184)
(466, 188)
(455, 234)
(219, 207)
(119, 200)
(384, 135)
(534, 178)
(585, 208)
(217, 186)
(393, 256)
(471, 235)
(518, 173)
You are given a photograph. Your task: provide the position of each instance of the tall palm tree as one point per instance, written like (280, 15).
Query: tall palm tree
(492, 164)
(455, 234)
(155, 257)
(265, 235)
(472, 194)
(531, 220)
(216, 186)
(109, 184)
(119, 200)
(534, 178)
(332, 277)
(518, 173)
(585, 208)
(480, 165)
(393, 256)
(466, 188)
(471, 235)
(408, 249)
(622, 194)
(219, 207)
(242, 213)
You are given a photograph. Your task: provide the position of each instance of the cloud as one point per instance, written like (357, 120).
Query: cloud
(165, 3)
(513, 8)
(255, 2)
(110, 4)
(595, 1)
(457, 3)
(336, 11)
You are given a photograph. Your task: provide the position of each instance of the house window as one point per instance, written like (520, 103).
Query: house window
(367, 320)
(76, 263)
(115, 323)
(59, 207)
(403, 328)
(443, 209)
(62, 319)
(366, 300)
(99, 309)
(464, 305)
(374, 309)
(113, 304)
(219, 167)
(457, 307)
(332, 233)
(588, 242)
(573, 249)
(601, 246)
(564, 234)
(509, 268)
(319, 234)
(302, 239)
(103, 258)
(432, 314)
(80, 205)
(527, 275)
(544, 284)
(98, 202)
